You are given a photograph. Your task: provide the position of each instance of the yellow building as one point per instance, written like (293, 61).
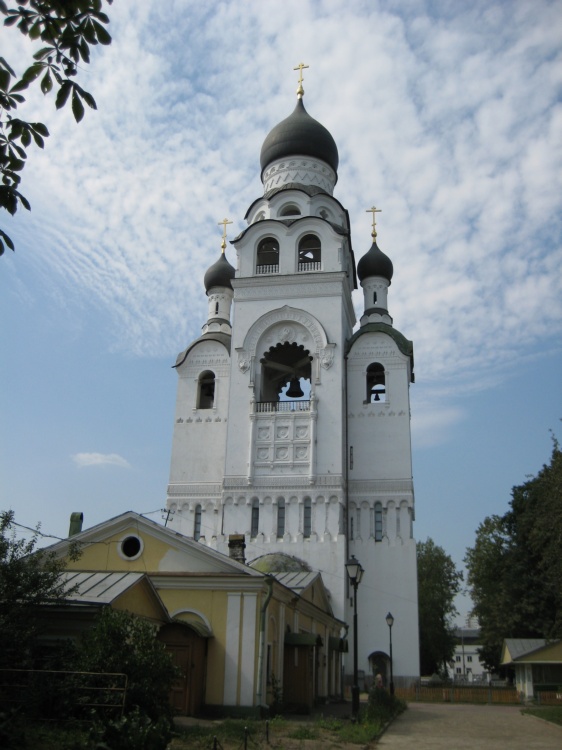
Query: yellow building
(239, 635)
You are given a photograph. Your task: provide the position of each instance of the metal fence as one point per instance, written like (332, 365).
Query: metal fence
(55, 694)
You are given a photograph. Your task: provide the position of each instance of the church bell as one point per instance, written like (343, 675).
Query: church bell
(294, 390)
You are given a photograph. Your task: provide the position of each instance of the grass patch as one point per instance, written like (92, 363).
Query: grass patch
(303, 732)
(548, 713)
(227, 731)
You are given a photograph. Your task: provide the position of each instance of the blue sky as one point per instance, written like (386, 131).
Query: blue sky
(447, 115)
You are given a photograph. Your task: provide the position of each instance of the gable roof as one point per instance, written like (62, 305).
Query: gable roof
(530, 650)
(202, 559)
(306, 585)
(100, 588)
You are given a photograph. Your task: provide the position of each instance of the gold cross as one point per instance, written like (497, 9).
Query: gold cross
(300, 67)
(374, 211)
(224, 222)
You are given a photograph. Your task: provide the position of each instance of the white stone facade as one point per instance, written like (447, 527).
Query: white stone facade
(320, 476)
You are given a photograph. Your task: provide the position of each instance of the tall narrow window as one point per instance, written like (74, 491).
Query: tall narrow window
(255, 517)
(197, 523)
(310, 253)
(378, 522)
(307, 518)
(267, 260)
(206, 390)
(376, 383)
(280, 518)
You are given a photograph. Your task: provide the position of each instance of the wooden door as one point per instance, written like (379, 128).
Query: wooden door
(188, 651)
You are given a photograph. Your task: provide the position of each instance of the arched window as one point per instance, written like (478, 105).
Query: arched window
(376, 383)
(267, 259)
(378, 522)
(307, 518)
(206, 390)
(197, 523)
(290, 210)
(255, 517)
(280, 518)
(310, 253)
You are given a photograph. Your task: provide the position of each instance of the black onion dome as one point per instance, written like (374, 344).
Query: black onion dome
(375, 263)
(299, 134)
(219, 274)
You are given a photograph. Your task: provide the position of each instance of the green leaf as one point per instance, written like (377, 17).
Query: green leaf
(7, 240)
(38, 127)
(11, 20)
(35, 30)
(90, 32)
(4, 79)
(77, 107)
(5, 65)
(19, 86)
(63, 94)
(46, 83)
(104, 37)
(43, 53)
(33, 72)
(89, 99)
(84, 51)
(38, 140)
(26, 140)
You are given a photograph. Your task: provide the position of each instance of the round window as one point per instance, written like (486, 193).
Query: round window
(131, 547)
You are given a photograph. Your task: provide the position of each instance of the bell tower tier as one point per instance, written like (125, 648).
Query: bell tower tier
(293, 428)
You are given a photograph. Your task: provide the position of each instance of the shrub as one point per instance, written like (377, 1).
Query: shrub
(383, 706)
(121, 642)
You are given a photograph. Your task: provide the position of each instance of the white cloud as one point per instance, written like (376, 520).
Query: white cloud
(450, 123)
(100, 459)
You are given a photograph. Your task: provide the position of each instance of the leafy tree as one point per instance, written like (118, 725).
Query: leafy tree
(28, 578)
(121, 642)
(515, 566)
(66, 29)
(438, 583)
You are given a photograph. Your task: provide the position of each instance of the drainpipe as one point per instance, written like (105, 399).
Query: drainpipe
(342, 667)
(269, 584)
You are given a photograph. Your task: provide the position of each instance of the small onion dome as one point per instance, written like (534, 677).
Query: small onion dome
(219, 274)
(299, 134)
(375, 263)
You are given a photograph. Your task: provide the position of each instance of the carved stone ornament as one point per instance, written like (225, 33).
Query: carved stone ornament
(327, 357)
(243, 362)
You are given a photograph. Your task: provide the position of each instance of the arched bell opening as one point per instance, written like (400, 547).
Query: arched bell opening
(286, 373)
(376, 383)
(206, 390)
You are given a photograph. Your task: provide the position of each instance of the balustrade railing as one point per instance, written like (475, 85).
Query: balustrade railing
(311, 266)
(264, 407)
(272, 268)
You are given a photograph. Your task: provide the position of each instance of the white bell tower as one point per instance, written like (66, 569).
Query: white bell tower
(290, 429)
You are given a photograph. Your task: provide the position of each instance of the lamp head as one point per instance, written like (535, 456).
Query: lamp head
(389, 620)
(354, 571)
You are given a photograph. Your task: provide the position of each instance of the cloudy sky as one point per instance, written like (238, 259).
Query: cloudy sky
(447, 115)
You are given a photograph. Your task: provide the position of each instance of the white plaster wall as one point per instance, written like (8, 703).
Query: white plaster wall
(379, 433)
(389, 584)
(198, 444)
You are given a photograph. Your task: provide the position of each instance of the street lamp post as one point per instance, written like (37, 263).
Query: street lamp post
(390, 623)
(355, 573)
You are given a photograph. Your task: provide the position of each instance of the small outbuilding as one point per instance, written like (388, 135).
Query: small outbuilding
(537, 664)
